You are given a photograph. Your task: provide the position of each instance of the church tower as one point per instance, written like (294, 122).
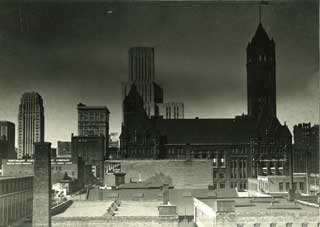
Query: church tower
(261, 75)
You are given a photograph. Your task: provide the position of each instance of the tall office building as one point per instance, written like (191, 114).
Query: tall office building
(93, 121)
(7, 138)
(142, 74)
(30, 123)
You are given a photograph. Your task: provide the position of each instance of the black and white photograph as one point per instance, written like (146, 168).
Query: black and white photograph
(150, 113)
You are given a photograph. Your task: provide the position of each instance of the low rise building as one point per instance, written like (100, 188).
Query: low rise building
(254, 212)
(59, 168)
(279, 184)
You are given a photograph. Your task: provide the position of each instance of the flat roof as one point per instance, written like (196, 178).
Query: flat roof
(86, 209)
(269, 204)
(138, 208)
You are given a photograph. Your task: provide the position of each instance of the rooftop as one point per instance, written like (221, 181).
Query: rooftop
(138, 208)
(267, 204)
(86, 209)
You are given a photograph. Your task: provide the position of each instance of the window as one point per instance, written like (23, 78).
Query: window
(301, 185)
(222, 185)
(222, 162)
(221, 175)
(214, 186)
(304, 225)
(289, 225)
(214, 174)
(240, 225)
(214, 162)
(280, 186)
(287, 186)
(273, 225)
(256, 225)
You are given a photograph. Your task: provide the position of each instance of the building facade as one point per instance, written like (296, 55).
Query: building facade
(16, 194)
(30, 123)
(91, 150)
(94, 121)
(306, 148)
(7, 137)
(171, 110)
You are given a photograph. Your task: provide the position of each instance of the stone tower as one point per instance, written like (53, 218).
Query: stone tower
(261, 75)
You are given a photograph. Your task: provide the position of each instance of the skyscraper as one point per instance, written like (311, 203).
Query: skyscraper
(261, 75)
(30, 123)
(7, 137)
(142, 74)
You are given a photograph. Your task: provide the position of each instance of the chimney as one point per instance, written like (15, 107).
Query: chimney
(165, 191)
(291, 191)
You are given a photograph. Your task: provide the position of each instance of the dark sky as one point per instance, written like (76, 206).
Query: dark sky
(77, 52)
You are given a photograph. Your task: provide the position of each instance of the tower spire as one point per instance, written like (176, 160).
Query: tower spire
(262, 2)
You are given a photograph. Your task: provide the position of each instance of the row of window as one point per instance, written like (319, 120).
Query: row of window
(287, 185)
(275, 224)
(241, 174)
(240, 185)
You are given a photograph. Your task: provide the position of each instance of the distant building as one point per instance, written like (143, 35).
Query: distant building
(93, 121)
(114, 145)
(63, 149)
(306, 148)
(7, 137)
(142, 74)
(53, 152)
(16, 194)
(241, 147)
(171, 110)
(30, 123)
(91, 149)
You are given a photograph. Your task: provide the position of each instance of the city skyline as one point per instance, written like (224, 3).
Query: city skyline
(210, 63)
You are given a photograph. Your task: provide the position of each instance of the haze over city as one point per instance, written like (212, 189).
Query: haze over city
(81, 55)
